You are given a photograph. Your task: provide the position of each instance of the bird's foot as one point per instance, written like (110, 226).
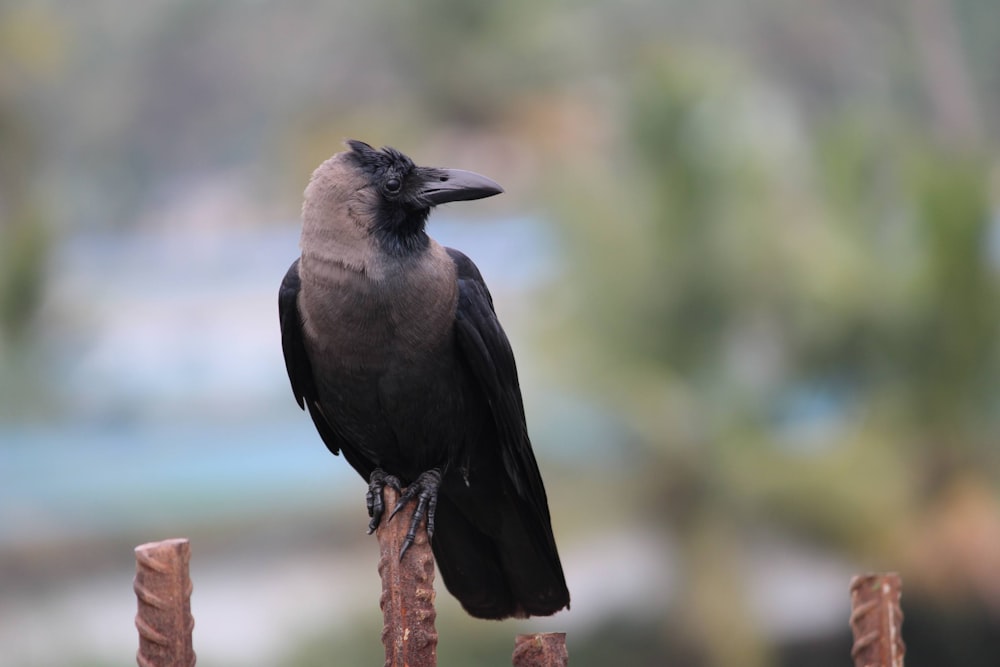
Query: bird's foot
(425, 490)
(376, 484)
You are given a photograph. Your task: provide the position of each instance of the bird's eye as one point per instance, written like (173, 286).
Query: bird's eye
(393, 185)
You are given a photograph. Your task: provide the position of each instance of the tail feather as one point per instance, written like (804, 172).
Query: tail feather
(498, 575)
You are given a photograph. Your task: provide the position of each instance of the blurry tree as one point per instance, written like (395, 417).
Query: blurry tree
(23, 237)
(29, 54)
(466, 61)
(797, 314)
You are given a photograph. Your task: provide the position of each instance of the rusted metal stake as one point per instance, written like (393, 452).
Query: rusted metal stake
(542, 649)
(877, 621)
(407, 601)
(163, 588)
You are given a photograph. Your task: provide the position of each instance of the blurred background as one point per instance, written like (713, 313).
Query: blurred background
(748, 257)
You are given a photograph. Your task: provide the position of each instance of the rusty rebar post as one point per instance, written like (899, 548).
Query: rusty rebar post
(877, 621)
(407, 601)
(163, 588)
(542, 649)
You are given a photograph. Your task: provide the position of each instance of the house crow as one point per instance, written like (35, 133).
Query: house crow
(392, 345)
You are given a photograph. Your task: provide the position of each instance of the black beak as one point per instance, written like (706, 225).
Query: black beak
(445, 185)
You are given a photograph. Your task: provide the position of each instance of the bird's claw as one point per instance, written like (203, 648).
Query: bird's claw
(425, 490)
(376, 507)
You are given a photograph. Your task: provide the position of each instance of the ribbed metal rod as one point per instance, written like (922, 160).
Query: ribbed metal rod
(163, 590)
(877, 621)
(407, 601)
(542, 649)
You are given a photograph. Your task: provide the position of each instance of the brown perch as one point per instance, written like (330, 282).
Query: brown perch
(163, 588)
(407, 600)
(876, 621)
(542, 649)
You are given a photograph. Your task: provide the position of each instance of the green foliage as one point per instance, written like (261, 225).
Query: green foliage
(950, 358)
(25, 245)
(847, 260)
(24, 237)
(462, 60)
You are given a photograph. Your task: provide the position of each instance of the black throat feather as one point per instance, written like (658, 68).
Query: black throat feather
(400, 231)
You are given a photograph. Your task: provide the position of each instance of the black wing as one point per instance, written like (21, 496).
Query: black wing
(531, 581)
(297, 360)
(488, 354)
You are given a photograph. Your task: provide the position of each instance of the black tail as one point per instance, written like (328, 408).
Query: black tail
(511, 571)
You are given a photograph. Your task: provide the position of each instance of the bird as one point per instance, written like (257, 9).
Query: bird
(393, 346)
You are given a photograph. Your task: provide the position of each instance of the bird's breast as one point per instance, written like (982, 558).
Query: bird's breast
(397, 314)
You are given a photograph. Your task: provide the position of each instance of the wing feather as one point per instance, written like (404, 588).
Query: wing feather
(487, 352)
(297, 363)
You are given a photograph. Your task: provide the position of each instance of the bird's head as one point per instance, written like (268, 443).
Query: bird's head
(381, 193)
